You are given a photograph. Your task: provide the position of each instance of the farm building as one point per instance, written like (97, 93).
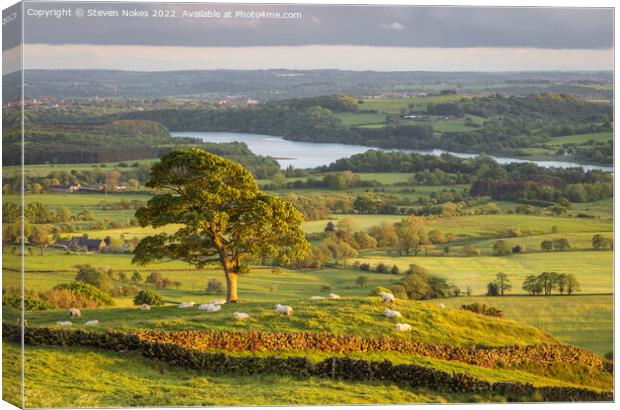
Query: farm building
(82, 244)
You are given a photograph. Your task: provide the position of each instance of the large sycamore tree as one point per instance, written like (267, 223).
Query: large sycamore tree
(223, 215)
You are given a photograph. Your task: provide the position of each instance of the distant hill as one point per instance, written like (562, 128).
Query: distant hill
(280, 83)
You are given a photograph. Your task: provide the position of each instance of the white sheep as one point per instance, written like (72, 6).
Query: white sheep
(65, 323)
(92, 323)
(403, 327)
(209, 307)
(240, 316)
(218, 302)
(145, 307)
(317, 297)
(387, 297)
(284, 310)
(333, 296)
(75, 312)
(186, 305)
(441, 305)
(391, 313)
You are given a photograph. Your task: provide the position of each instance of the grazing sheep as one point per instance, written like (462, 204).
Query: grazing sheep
(145, 307)
(218, 302)
(209, 307)
(403, 327)
(75, 312)
(391, 313)
(387, 297)
(317, 297)
(333, 296)
(441, 305)
(284, 310)
(92, 323)
(240, 316)
(186, 305)
(66, 323)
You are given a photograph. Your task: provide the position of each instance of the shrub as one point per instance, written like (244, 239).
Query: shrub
(378, 290)
(382, 268)
(124, 291)
(85, 293)
(395, 270)
(326, 288)
(149, 297)
(65, 299)
(416, 270)
(483, 309)
(364, 267)
(215, 286)
(398, 291)
(471, 250)
(32, 300)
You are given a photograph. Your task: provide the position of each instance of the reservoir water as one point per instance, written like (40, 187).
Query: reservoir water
(313, 154)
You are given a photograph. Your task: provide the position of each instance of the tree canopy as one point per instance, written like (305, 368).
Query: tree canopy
(224, 217)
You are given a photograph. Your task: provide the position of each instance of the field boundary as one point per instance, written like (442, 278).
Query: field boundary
(409, 375)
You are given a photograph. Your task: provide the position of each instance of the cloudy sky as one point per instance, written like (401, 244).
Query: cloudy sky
(344, 37)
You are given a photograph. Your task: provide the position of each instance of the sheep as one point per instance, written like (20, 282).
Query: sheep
(218, 302)
(145, 307)
(317, 297)
(240, 316)
(284, 310)
(65, 323)
(391, 313)
(387, 297)
(75, 312)
(403, 327)
(209, 307)
(185, 305)
(333, 296)
(92, 323)
(442, 306)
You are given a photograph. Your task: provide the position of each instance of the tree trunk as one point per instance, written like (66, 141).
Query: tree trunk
(231, 287)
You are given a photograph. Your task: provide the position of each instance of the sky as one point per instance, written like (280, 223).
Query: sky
(399, 38)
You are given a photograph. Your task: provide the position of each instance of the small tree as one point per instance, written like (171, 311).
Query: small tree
(361, 281)
(492, 289)
(546, 245)
(599, 242)
(176, 284)
(503, 283)
(572, 285)
(136, 277)
(122, 276)
(154, 278)
(92, 276)
(395, 270)
(561, 244)
(214, 286)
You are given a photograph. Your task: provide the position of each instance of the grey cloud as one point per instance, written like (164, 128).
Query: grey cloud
(400, 26)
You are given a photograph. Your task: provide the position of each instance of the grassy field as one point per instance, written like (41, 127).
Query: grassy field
(354, 118)
(393, 105)
(581, 320)
(362, 316)
(593, 269)
(483, 226)
(581, 138)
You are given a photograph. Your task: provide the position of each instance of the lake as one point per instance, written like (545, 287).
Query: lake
(313, 154)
